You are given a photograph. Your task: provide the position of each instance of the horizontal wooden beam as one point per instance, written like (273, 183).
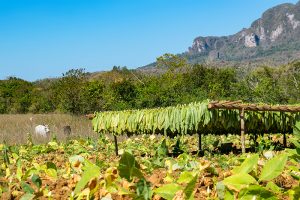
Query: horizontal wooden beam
(236, 105)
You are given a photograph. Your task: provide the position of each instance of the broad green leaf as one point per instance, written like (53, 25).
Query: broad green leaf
(185, 177)
(27, 196)
(273, 187)
(19, 170)
(128, 167)
(91, 171)
(273, 167)
(112, 188)
(291, 152)
(15, 156)
(168, 178)
(295, 174)
(238, 181)
(189, 189)
(5, 155)
(36, 180)
(256, 192)
(167, 191)
(212, 170)
(51, 165)
(247, 166)
(30, 172)
(294, 193)
(162, 150)
(177, 148)
(27, 188)
(229, 195)
(295, 142)
(51, 172)
(143, 189)
(52, 146)
(297, 129)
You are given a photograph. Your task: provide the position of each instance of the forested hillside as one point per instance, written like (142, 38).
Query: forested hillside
(78, 92)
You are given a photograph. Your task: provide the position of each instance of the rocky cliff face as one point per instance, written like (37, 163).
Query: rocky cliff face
(276, 35)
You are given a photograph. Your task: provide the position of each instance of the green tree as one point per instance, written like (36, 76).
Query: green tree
(124, 94)
(289, 82)
(263, 83)
(171, 62)
(69, 89)
(92, 96)
(15, 95)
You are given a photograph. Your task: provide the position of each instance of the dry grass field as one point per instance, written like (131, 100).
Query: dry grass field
(15, 127)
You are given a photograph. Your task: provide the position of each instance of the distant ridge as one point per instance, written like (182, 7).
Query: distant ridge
(273, 39)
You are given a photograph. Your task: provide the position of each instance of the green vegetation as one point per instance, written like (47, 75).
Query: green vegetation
(149, 168)
(176, 82)
(155, 166)
(190, 119)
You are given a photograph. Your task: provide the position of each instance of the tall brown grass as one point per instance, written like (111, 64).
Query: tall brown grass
(15, 127)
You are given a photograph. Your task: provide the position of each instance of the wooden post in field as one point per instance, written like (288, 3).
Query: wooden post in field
(242, 115)
(284, 130)
(284, 139)
(116, 145)
(255, 139)
(199, 141)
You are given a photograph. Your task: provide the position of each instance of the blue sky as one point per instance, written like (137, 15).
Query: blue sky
(45, 38)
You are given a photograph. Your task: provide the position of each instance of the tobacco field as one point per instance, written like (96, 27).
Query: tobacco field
(152, 167)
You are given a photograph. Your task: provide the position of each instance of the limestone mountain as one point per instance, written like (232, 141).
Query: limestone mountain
(273, 39)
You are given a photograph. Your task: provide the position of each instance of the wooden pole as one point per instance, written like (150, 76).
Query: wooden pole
(255, 140)
(235, 105)
(199, 141)
(116, 145)
(242, 130)
(284, 140)
(284, 130)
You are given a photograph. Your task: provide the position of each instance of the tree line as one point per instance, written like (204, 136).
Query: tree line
(176, 82)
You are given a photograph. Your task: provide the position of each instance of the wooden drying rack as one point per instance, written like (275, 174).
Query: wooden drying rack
(239, 105)
(242, 107)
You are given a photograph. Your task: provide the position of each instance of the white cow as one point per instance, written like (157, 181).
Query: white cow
(42, 130)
